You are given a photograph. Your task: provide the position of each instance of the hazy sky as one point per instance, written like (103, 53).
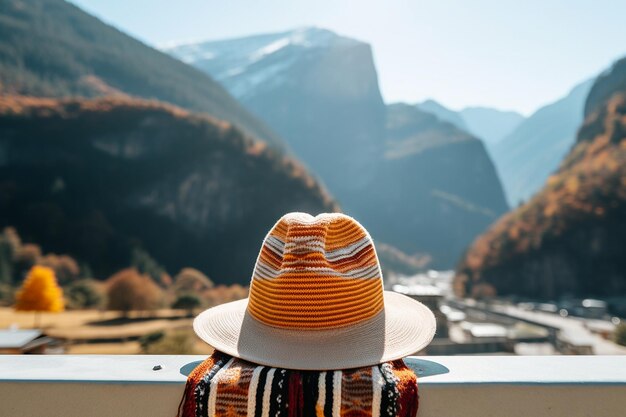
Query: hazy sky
(508, 54)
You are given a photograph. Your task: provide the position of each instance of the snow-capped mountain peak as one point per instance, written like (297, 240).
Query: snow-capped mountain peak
(244, 63)
(258, 45)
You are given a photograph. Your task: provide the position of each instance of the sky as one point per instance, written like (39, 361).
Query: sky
(507, 54)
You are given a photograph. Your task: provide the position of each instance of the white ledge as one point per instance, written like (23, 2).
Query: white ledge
(432, 370)
(468, 386)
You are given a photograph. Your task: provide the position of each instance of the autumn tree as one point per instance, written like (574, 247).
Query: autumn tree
(190, 280)
(64, 266)
(173, 342)
(26, 256)
(40, 292)
(224, 294)
(130, 290)
(482, 290)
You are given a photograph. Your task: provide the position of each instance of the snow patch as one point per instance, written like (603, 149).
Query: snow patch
(270, 49)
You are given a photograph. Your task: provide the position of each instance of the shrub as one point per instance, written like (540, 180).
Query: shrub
(620, 334)
(224, 294)
(27, 256)
(175, 342)
(85, 293)
(482, 290)
(187, 302)
(147, 265)
(7, 294)
(129, 290)
(64, 266)
(146, 340)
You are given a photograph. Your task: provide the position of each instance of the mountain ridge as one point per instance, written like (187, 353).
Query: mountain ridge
(376, 159)
(52, 48)
(320, 97)
(532, 152)
(567, 240)
(436, 185)
(97, 178)
(489, 124)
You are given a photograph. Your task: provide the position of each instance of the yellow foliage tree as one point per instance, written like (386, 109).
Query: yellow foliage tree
(40, 292)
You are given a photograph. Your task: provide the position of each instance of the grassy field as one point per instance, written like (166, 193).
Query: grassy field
(122, 348)
(102, 332)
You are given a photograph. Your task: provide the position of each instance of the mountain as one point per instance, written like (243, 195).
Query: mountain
(318, 90)
(52, 48)
(614, 78)
(491, 125)
(569, 237)
(527, 156)
(435, 188)
(443, 113)
(417, 183)
(98, 178)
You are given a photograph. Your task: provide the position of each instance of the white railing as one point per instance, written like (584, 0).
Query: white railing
(449, 386)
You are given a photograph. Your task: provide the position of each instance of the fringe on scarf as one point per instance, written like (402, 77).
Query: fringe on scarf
(223, 386)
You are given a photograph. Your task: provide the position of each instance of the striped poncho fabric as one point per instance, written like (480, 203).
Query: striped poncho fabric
(223, 386)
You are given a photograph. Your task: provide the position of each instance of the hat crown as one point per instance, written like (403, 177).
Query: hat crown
(316, 273)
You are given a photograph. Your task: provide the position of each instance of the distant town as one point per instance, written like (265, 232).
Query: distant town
(465, 326)
(511, 326)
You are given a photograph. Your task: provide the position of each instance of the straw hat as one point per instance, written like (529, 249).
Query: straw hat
(317, 302)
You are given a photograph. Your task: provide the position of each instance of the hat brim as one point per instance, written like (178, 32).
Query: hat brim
(404, 327)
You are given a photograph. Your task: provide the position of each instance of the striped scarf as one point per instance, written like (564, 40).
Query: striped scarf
(223, 386)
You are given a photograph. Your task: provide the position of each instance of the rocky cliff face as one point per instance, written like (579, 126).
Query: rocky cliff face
(97, 178)
(318, 90)
(434, 190)
(569, 238)
(607, 83)
(419, 184)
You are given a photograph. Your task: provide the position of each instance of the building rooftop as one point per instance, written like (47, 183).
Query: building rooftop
(17, 338)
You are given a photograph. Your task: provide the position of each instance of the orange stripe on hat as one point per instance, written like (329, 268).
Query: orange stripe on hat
(316, 273)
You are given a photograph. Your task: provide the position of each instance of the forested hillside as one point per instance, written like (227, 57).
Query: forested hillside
(569, 238)
(51, 48)
(97, 179)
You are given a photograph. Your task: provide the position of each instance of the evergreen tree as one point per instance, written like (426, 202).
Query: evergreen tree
(187, 302)
(85, 293)
(6, 262)
(146, 264)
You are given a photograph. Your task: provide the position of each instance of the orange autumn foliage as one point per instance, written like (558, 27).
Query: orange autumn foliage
(587, 191)
(130, 290)
(40, 292)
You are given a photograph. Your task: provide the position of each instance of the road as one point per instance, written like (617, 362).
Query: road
(573, 328)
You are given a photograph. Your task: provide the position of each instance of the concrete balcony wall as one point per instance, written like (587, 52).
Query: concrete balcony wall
(449, 386)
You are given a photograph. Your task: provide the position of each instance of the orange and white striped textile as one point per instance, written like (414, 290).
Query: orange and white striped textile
(224, 386)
